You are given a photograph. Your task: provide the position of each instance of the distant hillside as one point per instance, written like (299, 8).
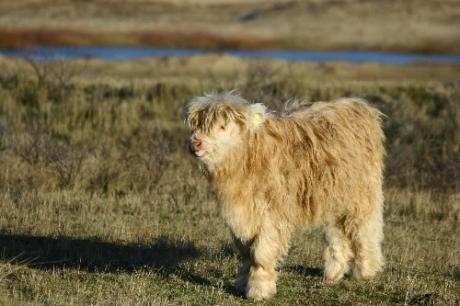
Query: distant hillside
(429, 26)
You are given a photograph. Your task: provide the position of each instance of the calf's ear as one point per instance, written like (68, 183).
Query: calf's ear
(257, 114)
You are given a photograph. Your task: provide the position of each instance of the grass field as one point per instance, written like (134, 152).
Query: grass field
(101, 204)
(424, 26)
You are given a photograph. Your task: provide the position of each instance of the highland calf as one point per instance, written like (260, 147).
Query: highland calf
(313, 165)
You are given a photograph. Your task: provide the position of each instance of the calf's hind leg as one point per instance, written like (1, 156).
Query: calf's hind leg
(367, 241)
(337, 255)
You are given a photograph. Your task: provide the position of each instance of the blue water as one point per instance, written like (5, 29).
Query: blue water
(121, 53)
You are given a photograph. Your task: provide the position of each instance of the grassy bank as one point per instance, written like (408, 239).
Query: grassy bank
(101, 204)
(428, 26)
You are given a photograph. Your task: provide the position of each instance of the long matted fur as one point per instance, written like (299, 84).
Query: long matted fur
(314, 165)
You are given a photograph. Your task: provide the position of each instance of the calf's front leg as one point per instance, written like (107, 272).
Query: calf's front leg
(267, 249)
(245, 254)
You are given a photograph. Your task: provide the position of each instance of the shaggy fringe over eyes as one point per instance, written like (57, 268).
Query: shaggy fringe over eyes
(203, 112)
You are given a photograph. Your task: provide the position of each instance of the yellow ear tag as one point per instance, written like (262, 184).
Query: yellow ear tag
(257, 119)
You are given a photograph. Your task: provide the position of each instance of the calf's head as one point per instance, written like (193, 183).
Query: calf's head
(219, 124)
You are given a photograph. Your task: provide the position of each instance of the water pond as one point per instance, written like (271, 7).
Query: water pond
(123, 53)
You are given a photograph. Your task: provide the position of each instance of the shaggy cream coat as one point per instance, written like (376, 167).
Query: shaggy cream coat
(314, 165)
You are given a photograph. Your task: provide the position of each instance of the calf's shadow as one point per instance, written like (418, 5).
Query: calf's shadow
(94, 255)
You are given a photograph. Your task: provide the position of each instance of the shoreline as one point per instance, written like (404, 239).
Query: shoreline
(23, 38)
(205, 68)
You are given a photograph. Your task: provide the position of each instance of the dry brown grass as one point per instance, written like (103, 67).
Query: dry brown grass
(411, 25)
(168, 38)
(101, 204)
